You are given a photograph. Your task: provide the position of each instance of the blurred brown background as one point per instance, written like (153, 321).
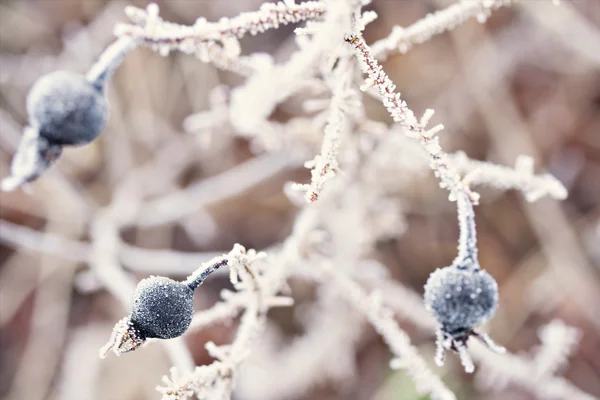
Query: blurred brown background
(526, 82)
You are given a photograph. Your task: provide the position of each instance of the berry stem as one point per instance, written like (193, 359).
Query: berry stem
(109, 60)
(197, 278)
(467, 242)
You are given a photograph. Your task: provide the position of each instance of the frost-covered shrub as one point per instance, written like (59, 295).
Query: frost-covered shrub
(334, 133)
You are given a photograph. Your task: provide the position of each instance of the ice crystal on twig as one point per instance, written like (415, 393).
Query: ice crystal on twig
(521, 177)
(325, 165)
(217, 41)
(558, 343)
(402, 39)
(414, 128)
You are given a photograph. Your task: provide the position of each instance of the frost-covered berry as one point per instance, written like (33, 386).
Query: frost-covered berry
(162, 308)
(461, 299)
(67, 109)
(64, 108)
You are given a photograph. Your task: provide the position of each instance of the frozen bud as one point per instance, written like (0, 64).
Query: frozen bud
(461, 299)
(66, 109)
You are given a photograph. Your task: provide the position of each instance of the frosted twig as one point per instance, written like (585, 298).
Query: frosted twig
(232, 182)
(440, 163)
(558, 343)
(323, 354)
(467, 241)
(402, 39)
(22, 237)
(253, 102)
(268, 16)
(521, 177)
(217, 115)
(166, 36)
(413, 128)
(324, 166)
(498, 370)
(199, 276)
(109, 60)
(398, 341)
(134, 258)
(229, 308)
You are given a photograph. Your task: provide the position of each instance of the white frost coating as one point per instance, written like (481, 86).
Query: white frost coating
(402, 39)
(110, 59)
(535, 373)
(558, 343)
(325, 165)
(202, 37)
(415, 129)
(467, 242)
(521, 177)
(254, 101)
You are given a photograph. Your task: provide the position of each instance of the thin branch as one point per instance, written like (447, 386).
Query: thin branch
(230, 183)
(521, 177)
(325, 165)
(135, 258)
(415, 129)
(215, 41)
(400, 40)
(398, 341)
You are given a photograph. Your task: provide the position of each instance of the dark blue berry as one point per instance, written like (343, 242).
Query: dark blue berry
(162, 308)
(66, 109)
(461, 299)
